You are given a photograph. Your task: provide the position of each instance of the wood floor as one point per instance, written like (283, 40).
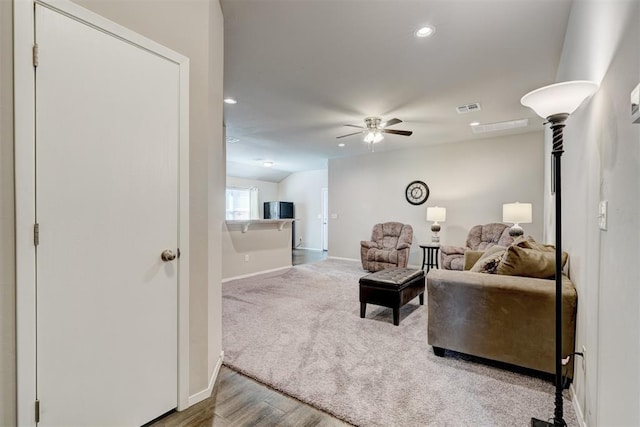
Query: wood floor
(305, 256)
(240, 401)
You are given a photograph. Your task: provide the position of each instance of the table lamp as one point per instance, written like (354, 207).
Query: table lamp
(517, 213)
(436, 214)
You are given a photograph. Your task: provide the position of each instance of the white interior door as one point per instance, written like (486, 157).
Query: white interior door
(107, 143)
(325, 219)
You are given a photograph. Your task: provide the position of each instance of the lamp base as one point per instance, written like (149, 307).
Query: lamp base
(435, 228)
(516, 231)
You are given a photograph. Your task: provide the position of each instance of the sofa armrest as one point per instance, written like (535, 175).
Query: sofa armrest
(470, 258)
(368, 244)
(403, 245)
(505, 318)
(452, 250)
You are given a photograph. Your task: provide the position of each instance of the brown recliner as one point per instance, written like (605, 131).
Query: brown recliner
(389, 246)
(480, 238)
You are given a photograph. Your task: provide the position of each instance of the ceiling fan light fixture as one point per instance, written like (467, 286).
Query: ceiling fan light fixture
(373, 137)
(425, 31)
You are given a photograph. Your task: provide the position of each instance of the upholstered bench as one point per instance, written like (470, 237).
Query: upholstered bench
(393, 288)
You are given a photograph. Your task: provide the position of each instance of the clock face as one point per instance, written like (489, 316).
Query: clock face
(417, 193)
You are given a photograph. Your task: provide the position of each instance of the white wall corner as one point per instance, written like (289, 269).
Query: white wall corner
(202, 395)
(577, 408)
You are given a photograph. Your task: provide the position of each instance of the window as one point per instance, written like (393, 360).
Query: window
(242, 203)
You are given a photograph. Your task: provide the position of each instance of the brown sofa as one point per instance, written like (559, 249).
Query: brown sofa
(510, 319)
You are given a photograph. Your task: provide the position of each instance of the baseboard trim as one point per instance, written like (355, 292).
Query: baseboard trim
(343, 259)
(202, 395)
(257, 273)
(309, 249)
(577, 408)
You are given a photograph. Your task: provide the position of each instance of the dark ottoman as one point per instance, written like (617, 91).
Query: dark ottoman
(393, 288)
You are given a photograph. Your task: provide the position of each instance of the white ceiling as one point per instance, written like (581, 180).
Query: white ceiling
(302, 69)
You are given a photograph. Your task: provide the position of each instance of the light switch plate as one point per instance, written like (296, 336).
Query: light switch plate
(602, 214)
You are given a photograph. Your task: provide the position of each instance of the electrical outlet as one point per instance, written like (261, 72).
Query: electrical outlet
(246, 258)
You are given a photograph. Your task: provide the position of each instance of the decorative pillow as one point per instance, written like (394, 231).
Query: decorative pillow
(525, 262)
(488, 262)
(529, 243)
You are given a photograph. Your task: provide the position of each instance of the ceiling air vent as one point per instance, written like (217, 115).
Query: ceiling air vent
(468, 108)
(498, 126)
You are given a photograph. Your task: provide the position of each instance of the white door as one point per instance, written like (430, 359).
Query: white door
(325, 219)
(107, 141)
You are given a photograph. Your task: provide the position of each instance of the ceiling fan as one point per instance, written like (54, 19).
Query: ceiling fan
(374, 128)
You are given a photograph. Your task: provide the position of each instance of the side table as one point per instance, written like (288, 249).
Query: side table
(430, 256)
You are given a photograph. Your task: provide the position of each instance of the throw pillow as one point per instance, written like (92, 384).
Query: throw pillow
(518, 261)
(529, 243)
(488, 262)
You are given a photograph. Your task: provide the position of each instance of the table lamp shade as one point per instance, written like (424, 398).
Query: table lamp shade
(517, 213)
(559, 98)
(436, 214)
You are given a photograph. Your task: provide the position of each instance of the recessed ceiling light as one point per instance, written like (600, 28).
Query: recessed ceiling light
(474, 123)
(267, 164)
(342, 144)
(230, 101)
(425, 31)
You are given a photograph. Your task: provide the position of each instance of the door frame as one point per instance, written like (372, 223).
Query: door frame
(324, 203)
(25, 194)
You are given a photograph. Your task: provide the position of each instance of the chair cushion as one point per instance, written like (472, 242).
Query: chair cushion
(383, 255)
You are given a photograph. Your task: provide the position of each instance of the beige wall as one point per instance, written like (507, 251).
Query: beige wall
(7, 252)
(304, 189)
(193, 28)
(471, 179)
(602, 162)
(266, 247)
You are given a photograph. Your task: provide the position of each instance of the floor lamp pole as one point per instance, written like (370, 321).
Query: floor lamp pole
(557, 126)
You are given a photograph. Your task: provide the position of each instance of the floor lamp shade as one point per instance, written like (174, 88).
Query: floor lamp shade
(559, 98)
(555, 103)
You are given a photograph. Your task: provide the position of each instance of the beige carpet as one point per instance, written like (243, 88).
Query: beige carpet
(300, 332)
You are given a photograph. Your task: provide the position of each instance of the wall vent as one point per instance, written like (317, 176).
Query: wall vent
(498, 126)
(468, 108)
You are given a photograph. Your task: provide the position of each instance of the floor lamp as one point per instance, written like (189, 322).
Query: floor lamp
(555, 103)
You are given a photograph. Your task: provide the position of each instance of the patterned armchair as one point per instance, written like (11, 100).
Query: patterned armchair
(389, 246)
(480, 238)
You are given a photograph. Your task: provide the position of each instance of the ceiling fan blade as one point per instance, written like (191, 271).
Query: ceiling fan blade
(390, 122)
(397, 132)
(356, 126)
(349, 134)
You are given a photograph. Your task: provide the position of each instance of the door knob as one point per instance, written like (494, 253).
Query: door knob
(167, 255)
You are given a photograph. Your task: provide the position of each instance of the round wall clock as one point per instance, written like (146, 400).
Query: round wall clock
(417, 192)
